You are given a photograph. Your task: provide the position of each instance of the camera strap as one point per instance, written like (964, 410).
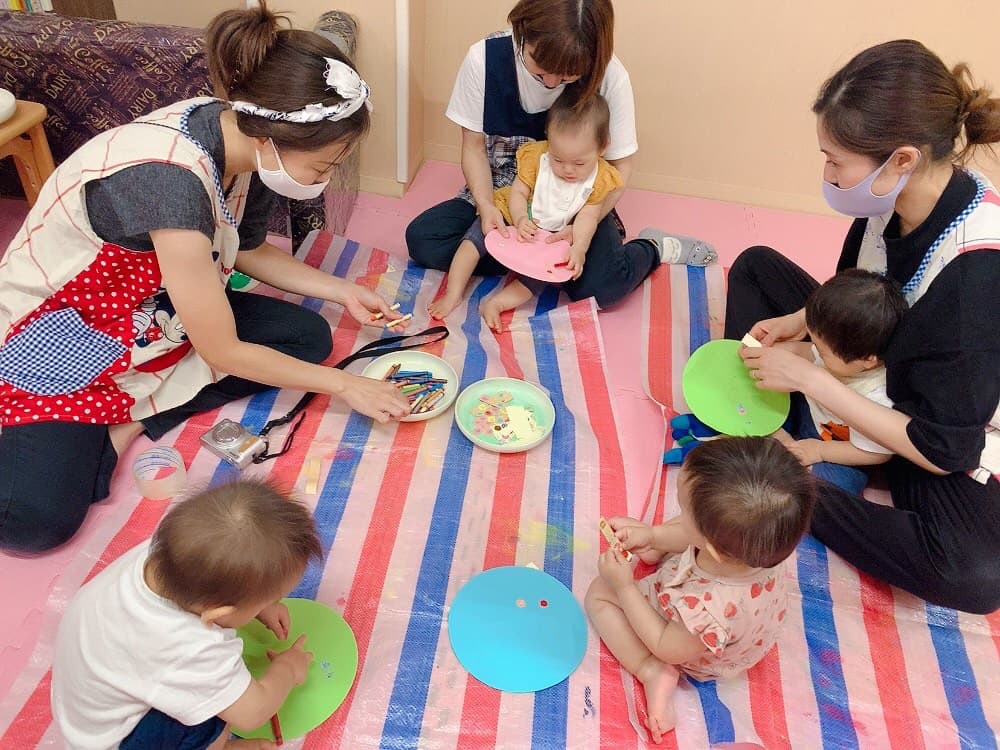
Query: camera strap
(375, 348)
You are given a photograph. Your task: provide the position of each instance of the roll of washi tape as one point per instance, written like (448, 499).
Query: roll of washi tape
(160, 473)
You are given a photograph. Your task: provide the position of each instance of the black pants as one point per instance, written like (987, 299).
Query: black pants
(51, 472)
(941, 540)
(611, 272)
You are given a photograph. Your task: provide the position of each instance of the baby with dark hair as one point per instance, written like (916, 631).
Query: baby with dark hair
(850, 319)
(147, 653)
(715, 604)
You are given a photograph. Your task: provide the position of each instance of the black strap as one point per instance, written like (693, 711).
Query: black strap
(375, 348)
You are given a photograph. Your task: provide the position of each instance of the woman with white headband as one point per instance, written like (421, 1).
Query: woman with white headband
(115, 316)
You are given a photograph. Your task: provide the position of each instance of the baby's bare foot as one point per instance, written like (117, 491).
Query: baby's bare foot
(440, 308)
(658, 683)
(491, 309)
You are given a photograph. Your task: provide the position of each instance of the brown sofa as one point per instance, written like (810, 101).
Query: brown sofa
(93, 75)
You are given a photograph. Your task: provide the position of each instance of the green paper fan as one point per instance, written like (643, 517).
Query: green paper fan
(720, 392)
(331, 673)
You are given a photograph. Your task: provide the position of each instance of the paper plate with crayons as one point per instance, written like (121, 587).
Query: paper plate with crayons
(429, 382)
(537, 259)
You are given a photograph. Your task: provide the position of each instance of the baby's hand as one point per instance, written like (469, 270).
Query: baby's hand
(808, 451)
(614, 570)
(577, 257)
(296, 658)
(632, 533)
(276, 618)
(526, 229)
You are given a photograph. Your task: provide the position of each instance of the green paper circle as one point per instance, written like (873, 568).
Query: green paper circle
(523, 394)
(720, 392)
(331, 673)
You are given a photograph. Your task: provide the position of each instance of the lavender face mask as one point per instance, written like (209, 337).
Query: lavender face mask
(859, 201)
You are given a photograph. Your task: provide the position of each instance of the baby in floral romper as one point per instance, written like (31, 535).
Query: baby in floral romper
(714, 606)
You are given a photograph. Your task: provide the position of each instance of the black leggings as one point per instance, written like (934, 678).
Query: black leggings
(51, 472)
(941, 538)
(611, 272)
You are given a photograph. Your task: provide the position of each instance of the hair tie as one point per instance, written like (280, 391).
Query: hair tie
(340, 77)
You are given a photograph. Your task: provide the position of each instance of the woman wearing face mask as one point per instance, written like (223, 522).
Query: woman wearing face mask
(504, 88)
(888, 123)
(115, 317)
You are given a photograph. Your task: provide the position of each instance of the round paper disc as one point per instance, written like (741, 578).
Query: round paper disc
(720, 392)
(331, 673)
(536, 259)
(517, 629)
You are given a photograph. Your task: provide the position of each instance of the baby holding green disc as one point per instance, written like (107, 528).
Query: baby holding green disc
(147, 653)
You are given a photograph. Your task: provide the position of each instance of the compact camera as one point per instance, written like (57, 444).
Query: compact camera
(233, 443)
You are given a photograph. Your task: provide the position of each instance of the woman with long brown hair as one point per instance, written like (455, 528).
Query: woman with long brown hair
(116, 317)
(888, 123)
(505, 87)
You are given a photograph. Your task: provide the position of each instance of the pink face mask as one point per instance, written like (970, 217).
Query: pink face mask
(859, 201)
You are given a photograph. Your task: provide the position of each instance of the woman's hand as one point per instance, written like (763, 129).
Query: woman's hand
(363, 303)
(778, 369)
(378, 399)
(491, 218)
(790, 327)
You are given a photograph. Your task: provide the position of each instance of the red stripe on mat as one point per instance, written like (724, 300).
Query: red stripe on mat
(890, 664)
(659, 338)
(767, 702)
(481, 705)
(616, 729)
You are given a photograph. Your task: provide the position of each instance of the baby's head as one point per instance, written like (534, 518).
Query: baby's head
(578, 133)
(851, 319)
(230, 551)
(748, 499)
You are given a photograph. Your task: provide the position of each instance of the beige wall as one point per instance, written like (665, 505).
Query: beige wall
(723, 89)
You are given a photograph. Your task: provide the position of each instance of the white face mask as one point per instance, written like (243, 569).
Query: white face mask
(284, 184)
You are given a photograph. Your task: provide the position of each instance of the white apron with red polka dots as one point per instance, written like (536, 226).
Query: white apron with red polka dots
(88, 334)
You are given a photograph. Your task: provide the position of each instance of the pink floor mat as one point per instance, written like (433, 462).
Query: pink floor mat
(407, 514)
(859, 664)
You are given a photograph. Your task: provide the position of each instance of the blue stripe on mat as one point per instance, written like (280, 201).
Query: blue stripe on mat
(698, 307)
(718, 719)
(408, 700)
(825, 667)
(340, 271)
(959, 680)
(549, 719)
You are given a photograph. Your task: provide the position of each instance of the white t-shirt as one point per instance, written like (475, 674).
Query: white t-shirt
(122, 649)
(468, 98)
(871, 385)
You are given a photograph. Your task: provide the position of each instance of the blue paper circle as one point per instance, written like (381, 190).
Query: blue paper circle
(517, 629)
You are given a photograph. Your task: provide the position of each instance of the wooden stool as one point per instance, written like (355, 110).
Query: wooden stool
(23, 137)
